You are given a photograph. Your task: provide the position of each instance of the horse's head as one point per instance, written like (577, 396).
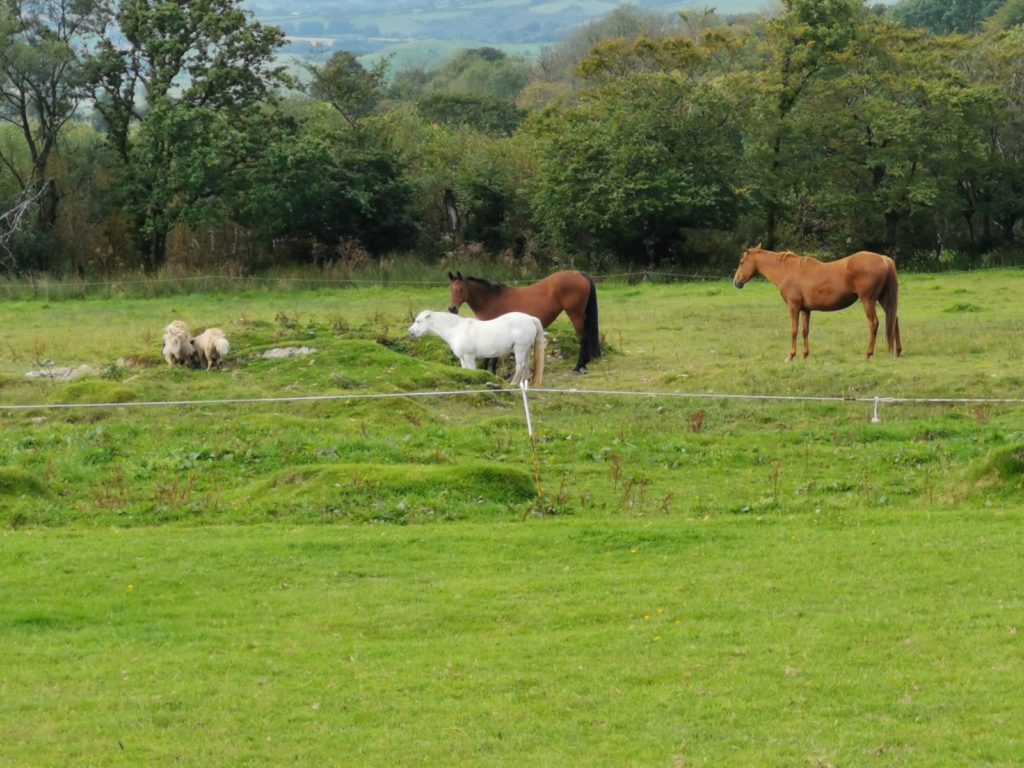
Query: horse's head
(421, 324)
(747, 268)
(458, 293)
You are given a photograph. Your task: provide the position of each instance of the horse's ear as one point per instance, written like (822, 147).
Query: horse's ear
(451, 277)
(758, 247)
(458, 274)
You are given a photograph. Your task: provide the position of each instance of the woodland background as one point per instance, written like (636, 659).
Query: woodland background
(179, 136)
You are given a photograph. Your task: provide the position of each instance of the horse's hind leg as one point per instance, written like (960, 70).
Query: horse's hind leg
(794, 326)
(584, 356)
(871, 310)
(521, 361)
(806, 314)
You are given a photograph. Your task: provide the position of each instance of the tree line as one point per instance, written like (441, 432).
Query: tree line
(147, 134)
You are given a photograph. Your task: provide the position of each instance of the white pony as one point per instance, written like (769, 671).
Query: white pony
(210, 348)
(177, 345)
(470, 338)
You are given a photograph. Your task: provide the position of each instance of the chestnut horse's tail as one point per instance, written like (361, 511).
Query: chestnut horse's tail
(591, 333)
(890, 300)
(539, 342)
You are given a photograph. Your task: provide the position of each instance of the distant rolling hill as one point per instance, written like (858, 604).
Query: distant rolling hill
(429, 30)
(422, 32)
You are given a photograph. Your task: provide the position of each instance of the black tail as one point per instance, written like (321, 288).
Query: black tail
(590, 340)
(591, 334)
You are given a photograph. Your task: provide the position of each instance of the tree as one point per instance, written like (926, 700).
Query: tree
(555, 74)
(319, 182)
(475, 88)
(637, 163)
(44, 46)
(482, 72)
(478, 176)
(991, 186)
(885, 132)
(347, 86)
(801, 46)
(943, 17)
(1009, 15)
(176, 97)
(482, 113)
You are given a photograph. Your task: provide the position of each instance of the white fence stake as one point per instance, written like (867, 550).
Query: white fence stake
(538, 505)
(875, 419)
(524, 385)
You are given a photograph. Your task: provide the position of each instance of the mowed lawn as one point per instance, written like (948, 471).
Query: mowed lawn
(702, 580)
(872, 639)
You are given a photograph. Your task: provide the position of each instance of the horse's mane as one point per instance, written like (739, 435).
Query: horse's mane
(783, 255)
(492, 287)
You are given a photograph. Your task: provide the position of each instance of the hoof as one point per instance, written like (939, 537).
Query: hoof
(581, 371)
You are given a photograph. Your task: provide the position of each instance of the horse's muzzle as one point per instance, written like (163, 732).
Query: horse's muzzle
(453, 310)
(738, 283)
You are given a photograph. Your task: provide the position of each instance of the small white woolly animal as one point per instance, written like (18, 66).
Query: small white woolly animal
(210, 348)
(177, 345)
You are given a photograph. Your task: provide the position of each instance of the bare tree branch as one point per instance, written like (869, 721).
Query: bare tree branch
(12, 221)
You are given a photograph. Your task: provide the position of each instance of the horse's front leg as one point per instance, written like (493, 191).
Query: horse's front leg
(871, 310)
(468, 361)
(794, 321)
(806, 313)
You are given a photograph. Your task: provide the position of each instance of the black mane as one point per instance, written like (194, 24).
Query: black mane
(492, 287)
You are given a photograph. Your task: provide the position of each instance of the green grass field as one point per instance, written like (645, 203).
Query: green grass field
(668, 575)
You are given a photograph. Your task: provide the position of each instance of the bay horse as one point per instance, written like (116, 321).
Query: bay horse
(470, 338)
(567, 291)
(807, 284)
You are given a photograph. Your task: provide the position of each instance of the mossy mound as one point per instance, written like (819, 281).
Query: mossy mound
(99, 391)
(1004, 466)
(392, 492)
(16, 482)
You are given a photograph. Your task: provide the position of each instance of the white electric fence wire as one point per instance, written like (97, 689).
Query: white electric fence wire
(875, 401)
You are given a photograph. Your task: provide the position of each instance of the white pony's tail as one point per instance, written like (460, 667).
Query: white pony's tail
(539, 342)
(222, 347)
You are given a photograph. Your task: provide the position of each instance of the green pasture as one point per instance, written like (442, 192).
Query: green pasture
(335, 565)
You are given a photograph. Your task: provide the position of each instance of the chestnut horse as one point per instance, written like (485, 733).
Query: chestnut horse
(807, 284)
(566, 291)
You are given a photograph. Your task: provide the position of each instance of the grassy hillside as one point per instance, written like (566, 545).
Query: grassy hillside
(677, 425)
